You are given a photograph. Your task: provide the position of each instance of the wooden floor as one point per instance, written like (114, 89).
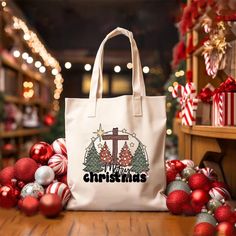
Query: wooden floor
(13, 222)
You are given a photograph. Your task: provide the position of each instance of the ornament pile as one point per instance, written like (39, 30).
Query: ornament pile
(196, 191)
(37, 183)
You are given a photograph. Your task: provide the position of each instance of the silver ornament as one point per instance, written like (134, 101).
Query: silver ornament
(177, 185)
(33, 190)
(205, 217)
(44, 175)
(187, 172)
(213, 204)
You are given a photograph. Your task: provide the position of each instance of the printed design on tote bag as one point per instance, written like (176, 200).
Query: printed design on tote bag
(115, 156)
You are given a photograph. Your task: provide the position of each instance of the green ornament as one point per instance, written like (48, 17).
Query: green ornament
(213, 204)
(177, 185)
(205, 217)
(187, 172)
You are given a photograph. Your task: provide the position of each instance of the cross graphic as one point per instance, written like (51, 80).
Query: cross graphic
(115, 138)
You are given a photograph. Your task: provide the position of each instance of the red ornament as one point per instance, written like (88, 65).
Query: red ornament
(233, 217)
(225, 228)
(171, 174)
(8, 196)
(177, 165)
(50, 205)
(20, 184)
(63, 179)
(176, 200)
(223, 213)
(199, 181)
(218, 184)
(41, 152)
(25, 169)
(188, 209)
(204, 229)
(199, 197)
(49, 120)
(19, 204)
(30, 205)
(6, 175)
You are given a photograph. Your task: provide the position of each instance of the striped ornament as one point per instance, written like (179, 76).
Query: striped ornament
(219, 193)
(188, 102)
(59, 146)
(209, 173)
(61, 190)
(188, 163)
(59, 164)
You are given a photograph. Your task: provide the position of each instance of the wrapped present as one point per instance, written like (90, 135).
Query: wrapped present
(203, 116)
(224, 104)
(188, 102)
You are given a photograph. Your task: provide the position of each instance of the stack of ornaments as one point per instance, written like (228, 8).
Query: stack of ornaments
(196, 191)
(38, 182)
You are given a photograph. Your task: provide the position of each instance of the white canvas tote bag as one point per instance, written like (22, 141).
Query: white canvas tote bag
(116, 145)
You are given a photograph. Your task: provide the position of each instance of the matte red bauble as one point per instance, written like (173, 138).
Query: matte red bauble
(204, 229)
(199, 197)
(171, 175)
(25, 169)
(50, 205)
(219, 185)
(176, 200)
(6, 175)
(41, 152)
(8, 196)
(225, 228)
(188, 209)
(223, 213)
(198, 181)
(30, 205)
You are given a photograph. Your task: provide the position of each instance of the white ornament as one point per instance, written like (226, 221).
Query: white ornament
(44, 175)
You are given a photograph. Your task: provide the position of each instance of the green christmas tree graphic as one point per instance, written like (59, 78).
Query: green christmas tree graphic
(92, 161)
(139, 162)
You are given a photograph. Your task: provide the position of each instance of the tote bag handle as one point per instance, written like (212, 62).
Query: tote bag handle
(138, 86)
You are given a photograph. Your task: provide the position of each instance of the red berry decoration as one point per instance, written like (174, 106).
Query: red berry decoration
(223, 213)
(25, 169)
(199, 197)
(8, 196)
(198, 181)
(41, 152)
(30, 205)
(6, 175)
(176, 200)
(204, 229)
(50, 205)
(225, 228)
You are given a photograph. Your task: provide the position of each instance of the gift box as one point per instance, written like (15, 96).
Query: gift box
(204, 109)
(188, 102)
(224, 104)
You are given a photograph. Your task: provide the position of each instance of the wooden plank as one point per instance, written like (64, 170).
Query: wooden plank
(97, 223)
(23, 132)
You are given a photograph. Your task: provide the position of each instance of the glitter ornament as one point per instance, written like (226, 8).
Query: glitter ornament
(225, 229)
(187, 172)
(44, 175)
(29, 205)
(199, 197)
(8, 196)
(204, 228)
(198, 181)
(177, 185)
(33, 190)
(213, 204)
(205, 217)
(223, 213)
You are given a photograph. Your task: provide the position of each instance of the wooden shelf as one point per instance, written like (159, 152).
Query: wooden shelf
(27, 72)
(226, 132)
(34, 101)
(23, 132)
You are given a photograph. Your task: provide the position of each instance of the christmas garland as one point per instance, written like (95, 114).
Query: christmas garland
(196, 191)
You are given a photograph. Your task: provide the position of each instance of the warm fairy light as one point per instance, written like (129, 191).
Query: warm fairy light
(168, 104)
(58, 86)
(4, 4)
(168, 131)
(87, 67)
(117, 69)
(175, 83)
(37, 64)
(179, 73)
(56, 96)
(30, 60)
(54, 71)
(26, 37)
(129, 65)
(170, 88)
(68, 65)
(42, 69)
(16, 53)
(146, 69)
(25, 55)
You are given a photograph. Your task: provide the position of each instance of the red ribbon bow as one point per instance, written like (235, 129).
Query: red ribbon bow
(227, 86)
